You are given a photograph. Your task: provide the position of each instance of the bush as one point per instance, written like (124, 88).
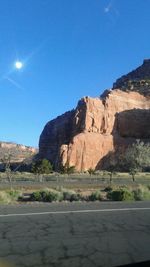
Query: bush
(75, 197)
(122, 194)
(47, 196)
(142, 193)
(71, 196)
(148, 186)
(36, 196)
(66, 169)
(4, 197)
(14, 194)
(7, 197)
(95, 196)
(67, 195)
(50, 196)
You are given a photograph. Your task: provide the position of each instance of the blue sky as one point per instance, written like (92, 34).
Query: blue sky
(70, 49)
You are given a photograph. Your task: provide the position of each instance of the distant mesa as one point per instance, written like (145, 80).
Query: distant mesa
(20, 154)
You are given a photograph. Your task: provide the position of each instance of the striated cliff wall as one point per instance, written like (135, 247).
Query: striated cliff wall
(84, 136)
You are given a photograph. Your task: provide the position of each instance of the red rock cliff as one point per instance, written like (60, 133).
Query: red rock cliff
(84, 136)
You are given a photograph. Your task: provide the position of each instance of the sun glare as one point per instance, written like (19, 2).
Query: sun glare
(18, 65)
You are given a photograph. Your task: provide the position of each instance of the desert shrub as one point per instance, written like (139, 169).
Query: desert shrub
(66, 169)
(148, 186)
(36, 196)
(60, 197)
(4, 197)
(84, 197)
(95, 196)
(141, 193)
(50, 196)
(75, 197)
(67, 195)
(138, 195)
(71, 196)
(15, 194)
(47, 196)
(121, 194)
(7, 197)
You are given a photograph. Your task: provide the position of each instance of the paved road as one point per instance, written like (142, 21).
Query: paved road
(74, 234)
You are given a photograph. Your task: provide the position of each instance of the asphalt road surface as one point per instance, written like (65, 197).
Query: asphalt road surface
(74, 234)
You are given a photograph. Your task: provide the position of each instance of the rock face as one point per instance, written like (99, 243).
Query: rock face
(83, 137)
(134, 123)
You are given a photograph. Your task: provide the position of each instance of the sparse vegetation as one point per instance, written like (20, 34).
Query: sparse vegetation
(122, 194)
(6, 160)
(113, 193)
(46, 196)
(91, 171)
(7, 197)
(64, 195)
(112, 171)
(142, 193)
(95, 196)
(66, 169)
(136, 157)
(42, 166)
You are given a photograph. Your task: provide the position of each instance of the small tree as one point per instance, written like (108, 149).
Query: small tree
(42, 166)
(136, 158)
(6, 160)
(91, 171)
(70, 169)
(133, 172)
(66, 169)
(112, 171)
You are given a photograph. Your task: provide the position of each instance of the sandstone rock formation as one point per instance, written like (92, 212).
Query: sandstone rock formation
(84, 136)
(18, 152)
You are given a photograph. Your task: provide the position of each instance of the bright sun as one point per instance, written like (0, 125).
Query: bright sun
(18, 65)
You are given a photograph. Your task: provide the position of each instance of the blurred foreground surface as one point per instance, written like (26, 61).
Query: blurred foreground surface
(77, 234)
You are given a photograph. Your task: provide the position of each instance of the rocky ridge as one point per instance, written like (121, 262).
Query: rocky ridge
(83, 137)
(18, 152)
(137, 80)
